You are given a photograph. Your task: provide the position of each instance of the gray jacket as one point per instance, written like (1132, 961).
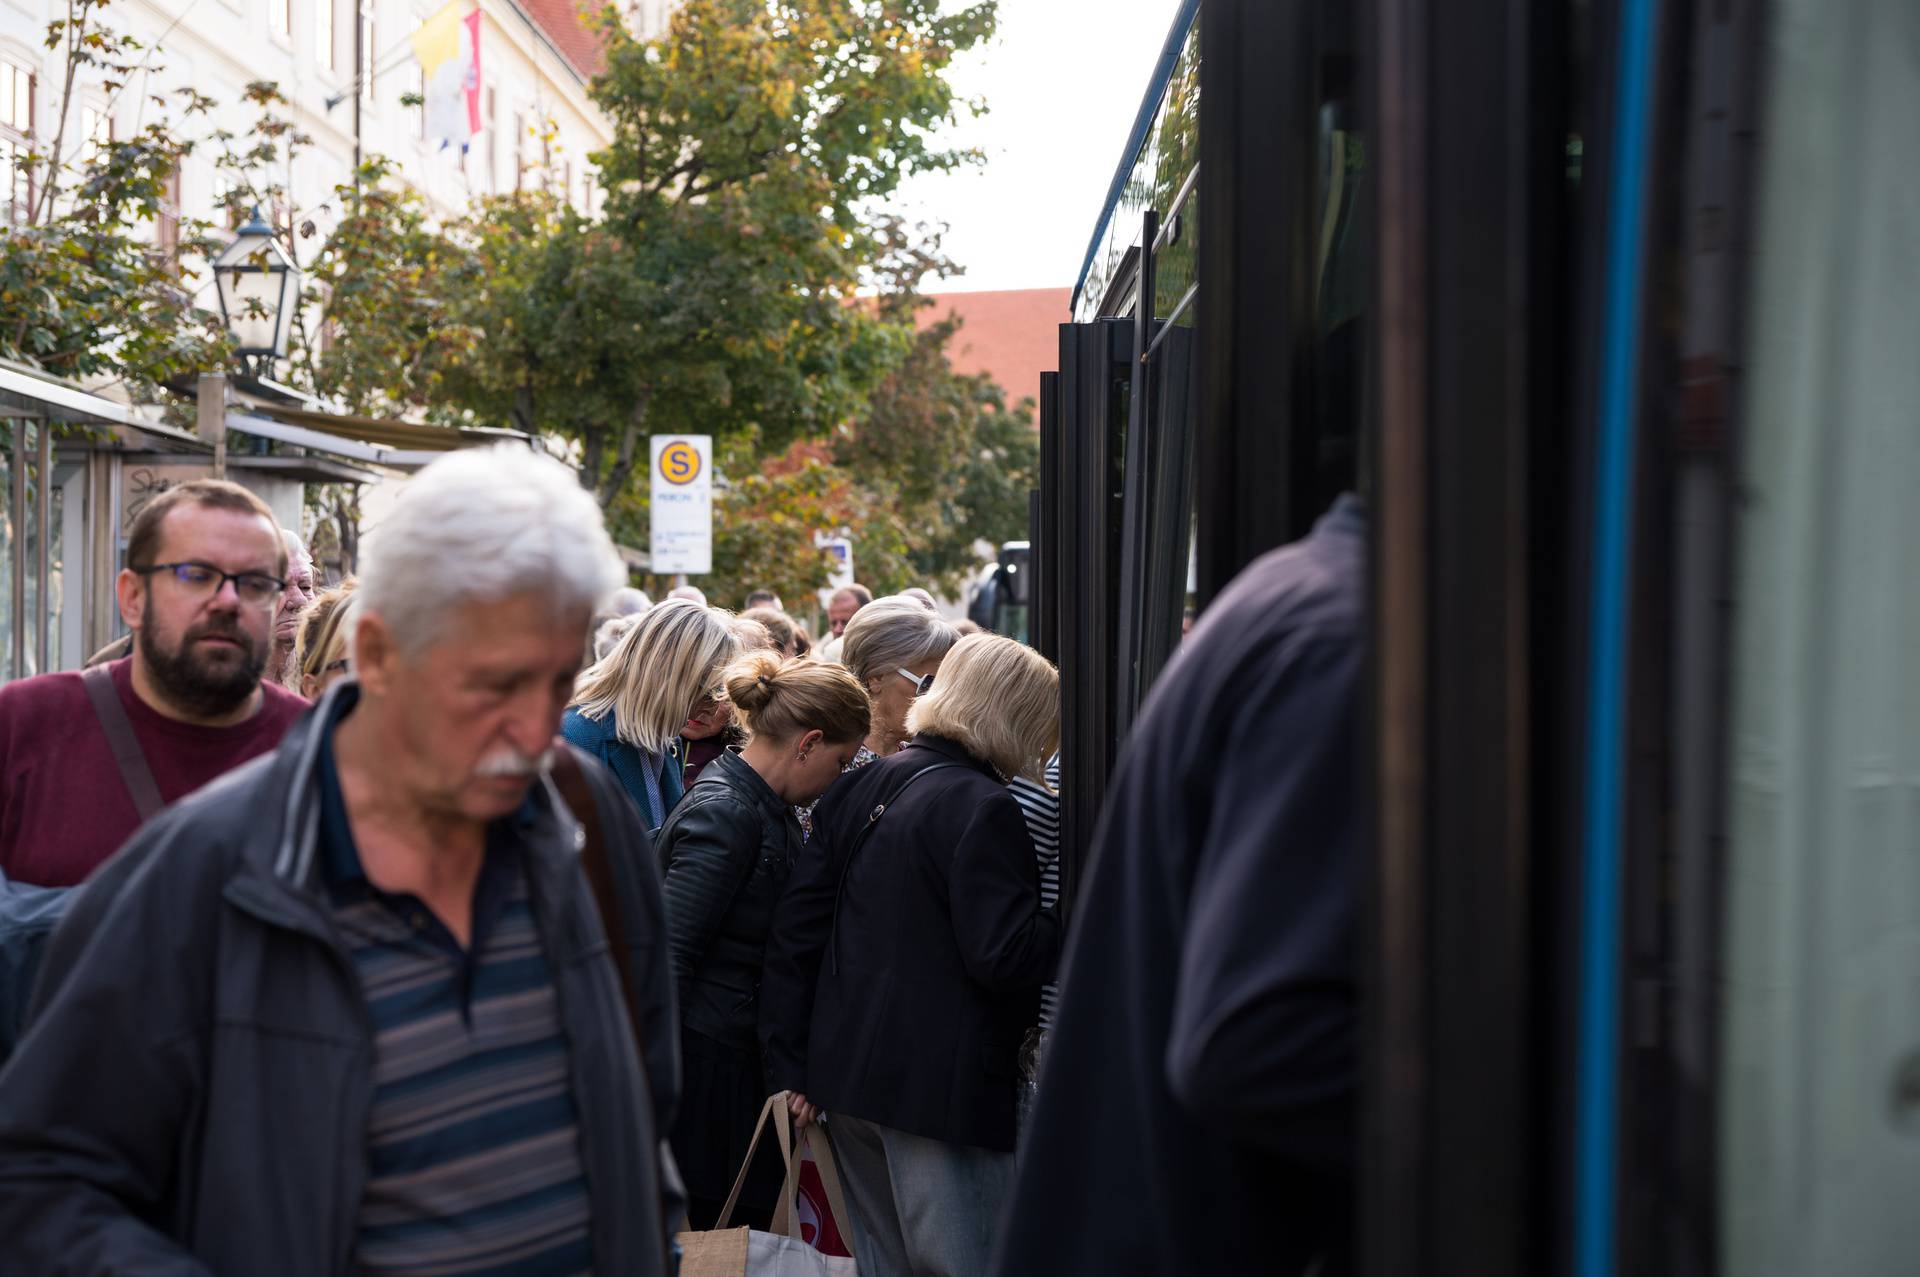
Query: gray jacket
(191, 1093)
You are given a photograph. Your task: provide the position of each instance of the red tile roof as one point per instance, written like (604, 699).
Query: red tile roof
(1013, 336)
(564, 22)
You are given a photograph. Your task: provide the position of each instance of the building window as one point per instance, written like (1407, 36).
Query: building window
(519, 149)
(492, 144)
(282, 13)
(16, 139)
(168, 229)
(322, 32)
(96, 129)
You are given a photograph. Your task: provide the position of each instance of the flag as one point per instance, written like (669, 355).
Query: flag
(448, 47)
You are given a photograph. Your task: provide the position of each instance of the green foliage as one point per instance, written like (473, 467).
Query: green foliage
(714, 296)
(947, 460)
(379, 291)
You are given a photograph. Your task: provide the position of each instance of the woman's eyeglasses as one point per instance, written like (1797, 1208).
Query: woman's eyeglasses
(922, 683)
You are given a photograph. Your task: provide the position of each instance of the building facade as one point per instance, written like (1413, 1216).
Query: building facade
(345, 70)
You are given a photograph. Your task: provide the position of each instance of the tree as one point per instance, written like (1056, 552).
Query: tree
(87, 285)
(934, 465)
(946, 456)
(750, 144)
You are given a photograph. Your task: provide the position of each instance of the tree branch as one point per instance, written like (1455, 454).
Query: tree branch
(623, 463)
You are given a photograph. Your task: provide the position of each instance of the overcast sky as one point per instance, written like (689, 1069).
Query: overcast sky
(1062, 79)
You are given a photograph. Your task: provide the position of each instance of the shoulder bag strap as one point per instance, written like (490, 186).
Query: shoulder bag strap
(859, 841)
(134, 771)
(571, 780)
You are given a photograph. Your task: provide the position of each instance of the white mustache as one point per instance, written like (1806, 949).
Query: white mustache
(511, 762)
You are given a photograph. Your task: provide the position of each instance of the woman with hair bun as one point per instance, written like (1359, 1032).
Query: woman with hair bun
(726, 852)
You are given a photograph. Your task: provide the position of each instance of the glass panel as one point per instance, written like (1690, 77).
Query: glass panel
(1167, 155)
(1342, 253)
(1820, 1066)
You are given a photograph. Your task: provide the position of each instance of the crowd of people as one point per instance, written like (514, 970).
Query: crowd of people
(464, 922)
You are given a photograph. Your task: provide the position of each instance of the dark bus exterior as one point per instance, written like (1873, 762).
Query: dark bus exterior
(1609, 310)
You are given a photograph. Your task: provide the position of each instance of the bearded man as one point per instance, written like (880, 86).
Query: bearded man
(86, 758)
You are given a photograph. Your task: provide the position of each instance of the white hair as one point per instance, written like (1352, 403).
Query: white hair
(481, 526)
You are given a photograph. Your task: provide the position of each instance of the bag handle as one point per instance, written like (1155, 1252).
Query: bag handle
(775, 1109)
(134, 769)
(785, 1218)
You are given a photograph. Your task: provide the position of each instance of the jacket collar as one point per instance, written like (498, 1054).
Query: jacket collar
(730, 769)
(948, 748)
(280, 877)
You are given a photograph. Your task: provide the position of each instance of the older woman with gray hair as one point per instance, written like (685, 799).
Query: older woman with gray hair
(630, 706)
(894, 646)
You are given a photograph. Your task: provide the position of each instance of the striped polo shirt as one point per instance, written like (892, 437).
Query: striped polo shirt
(473, 1147)
(1041, 806)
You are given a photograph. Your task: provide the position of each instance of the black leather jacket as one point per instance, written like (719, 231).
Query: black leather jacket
(725, 851)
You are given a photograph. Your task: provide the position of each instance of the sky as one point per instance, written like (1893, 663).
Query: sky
(1062, 79)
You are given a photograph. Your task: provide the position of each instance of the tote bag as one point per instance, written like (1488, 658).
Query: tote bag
(748, 1252)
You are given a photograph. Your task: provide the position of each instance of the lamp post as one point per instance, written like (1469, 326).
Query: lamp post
(259, 288)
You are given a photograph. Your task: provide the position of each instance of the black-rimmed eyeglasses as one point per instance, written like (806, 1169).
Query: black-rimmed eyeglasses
(203, 580)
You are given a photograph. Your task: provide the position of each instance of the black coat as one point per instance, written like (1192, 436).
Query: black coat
(725, 851)
(191, 1094)
(1195, 1110)
(910, 1013)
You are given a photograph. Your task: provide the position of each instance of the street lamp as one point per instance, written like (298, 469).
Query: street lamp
(259, 287)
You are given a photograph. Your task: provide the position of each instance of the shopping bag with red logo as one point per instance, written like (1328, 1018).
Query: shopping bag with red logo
(784, 1250)
(819, 1225)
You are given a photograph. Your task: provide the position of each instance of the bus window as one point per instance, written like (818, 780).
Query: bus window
(1819, 1105)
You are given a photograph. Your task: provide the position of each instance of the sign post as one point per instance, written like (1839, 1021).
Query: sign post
(681, 524)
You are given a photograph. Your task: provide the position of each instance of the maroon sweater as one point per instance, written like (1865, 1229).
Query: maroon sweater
(64, 807)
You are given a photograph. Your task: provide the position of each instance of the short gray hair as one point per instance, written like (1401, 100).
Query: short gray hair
(893, 633)
(481, 526)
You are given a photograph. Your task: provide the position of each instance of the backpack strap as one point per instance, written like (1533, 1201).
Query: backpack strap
(571, 780)
(134, 771)
(859, 841)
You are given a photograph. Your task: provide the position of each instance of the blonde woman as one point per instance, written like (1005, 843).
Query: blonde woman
(629, 707)
(907, 957)
(725, 853)
(320, 657)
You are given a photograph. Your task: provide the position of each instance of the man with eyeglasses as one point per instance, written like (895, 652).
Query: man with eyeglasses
(86, 758)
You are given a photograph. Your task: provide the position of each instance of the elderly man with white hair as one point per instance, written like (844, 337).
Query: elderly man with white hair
(352, 1008)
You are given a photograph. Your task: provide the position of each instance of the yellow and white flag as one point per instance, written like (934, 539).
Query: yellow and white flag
(448, 47)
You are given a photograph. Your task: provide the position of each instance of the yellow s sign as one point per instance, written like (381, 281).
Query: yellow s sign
(679, 463)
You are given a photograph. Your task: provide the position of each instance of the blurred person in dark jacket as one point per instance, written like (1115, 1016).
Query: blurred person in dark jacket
(1196, 1103)
(726, 852)
(351, 1008)
(906, 960)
